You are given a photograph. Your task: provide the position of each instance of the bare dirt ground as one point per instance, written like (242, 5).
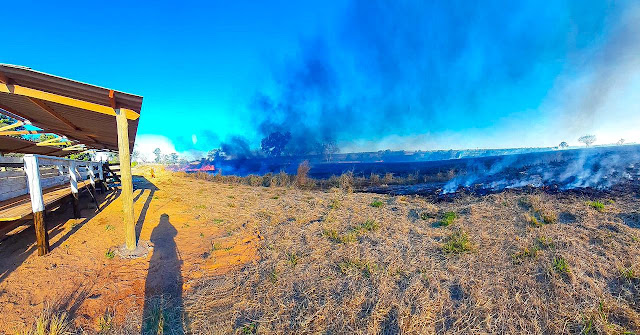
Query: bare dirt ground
(232, 258)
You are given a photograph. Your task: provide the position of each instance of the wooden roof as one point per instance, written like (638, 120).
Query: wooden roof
(18, 145)
(81, 112)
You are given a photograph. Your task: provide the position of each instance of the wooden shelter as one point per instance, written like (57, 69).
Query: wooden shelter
(84, 117)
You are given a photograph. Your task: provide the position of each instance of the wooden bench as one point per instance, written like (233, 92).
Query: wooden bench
(34, 183)
(20, 207)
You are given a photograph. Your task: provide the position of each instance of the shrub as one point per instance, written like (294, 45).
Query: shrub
(302, 178)
(374, 179)
(346, 181)
(376, 204)
(458, 242)
(388, 178)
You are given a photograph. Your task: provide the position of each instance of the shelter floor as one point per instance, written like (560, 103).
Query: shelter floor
(81, 276)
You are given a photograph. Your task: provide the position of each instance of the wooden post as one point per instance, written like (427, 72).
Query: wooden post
(32, 170)
(73, 181)
(126, 179)
(92, 177)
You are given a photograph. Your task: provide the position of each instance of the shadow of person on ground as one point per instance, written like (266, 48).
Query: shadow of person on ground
(163, 304)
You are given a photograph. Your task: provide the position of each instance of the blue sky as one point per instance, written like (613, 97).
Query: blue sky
(366, 75)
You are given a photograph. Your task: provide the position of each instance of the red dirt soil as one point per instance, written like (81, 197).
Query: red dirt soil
(79, 276)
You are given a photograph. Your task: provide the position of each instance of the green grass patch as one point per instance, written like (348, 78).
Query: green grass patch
(369, 225)
(200, 206)
(456, 243)
(218, 221)
(110, 254)
(597, 205)
(110, 228)
(335, 204)
(560, 265)
(448, 219)
(248, 329)
(627, 273)
(292, 258)
(376, 204)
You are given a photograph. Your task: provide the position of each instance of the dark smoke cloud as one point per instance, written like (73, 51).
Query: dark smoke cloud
(415, 67)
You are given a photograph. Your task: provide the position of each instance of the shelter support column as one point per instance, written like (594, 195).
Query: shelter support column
(37, 203)
(73, 181)
(126, 179)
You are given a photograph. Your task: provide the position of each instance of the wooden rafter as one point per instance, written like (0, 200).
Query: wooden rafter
(20, 132)
(11, 126)
(4, 79)
(75, 147)
(51, 97)
(53, 113)
(53, 141)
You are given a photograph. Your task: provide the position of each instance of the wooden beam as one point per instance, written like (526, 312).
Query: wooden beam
(60, 99)
(53, 113)
(20, 132)
(126, 179)
(112, 99)
(74, 147)
(11, 126)
(4, 79)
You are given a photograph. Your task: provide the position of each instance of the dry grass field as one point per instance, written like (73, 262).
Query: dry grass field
(233, 258)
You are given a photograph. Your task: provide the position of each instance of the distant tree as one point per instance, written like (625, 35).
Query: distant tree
(587, 139)
(173, 158)
(135, 155)
(329, 149)
(274, 144)
(563, 145)
(620, 142)
(158, 154)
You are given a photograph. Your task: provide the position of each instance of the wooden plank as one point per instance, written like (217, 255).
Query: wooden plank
(19, 207)
(51, 97)
(10, 160)
(20, 132)
(126, 180)
(11, 126)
